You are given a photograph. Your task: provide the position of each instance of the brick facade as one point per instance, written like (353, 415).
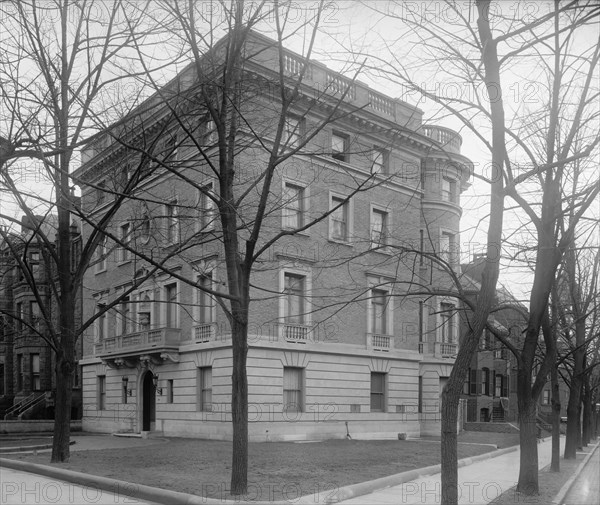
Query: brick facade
(344, 369)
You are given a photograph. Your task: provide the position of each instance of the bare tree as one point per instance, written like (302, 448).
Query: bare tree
(538, 180)
(577, 292)
(232, 131)
(61, 71)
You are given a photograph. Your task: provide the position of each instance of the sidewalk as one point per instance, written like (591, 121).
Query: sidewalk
(585, 489)
(478, 483)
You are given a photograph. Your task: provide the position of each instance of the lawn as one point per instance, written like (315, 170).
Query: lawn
(278, 470)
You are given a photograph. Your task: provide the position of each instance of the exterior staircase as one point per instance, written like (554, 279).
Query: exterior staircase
(28, 403)
(498, 414)
(543, 424)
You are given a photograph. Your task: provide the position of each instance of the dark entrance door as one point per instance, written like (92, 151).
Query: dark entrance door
(148, 402)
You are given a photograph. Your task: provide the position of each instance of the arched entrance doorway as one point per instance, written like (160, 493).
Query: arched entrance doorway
(148, 402)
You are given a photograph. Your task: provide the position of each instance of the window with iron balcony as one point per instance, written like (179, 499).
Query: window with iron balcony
(295, 326)
(204, 329)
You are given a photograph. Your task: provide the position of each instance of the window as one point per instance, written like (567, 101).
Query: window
(485, 343)
(294, 291)
(377, 392)
(546, 397)
(210, 133)
(379, 312)
(35, 372)
(498, 380)
(292, 390)
(485, 381)
(172, 308)
(379, 161)
(204, 388)
(125, 254)
(340, 146)
(447, 323)
(172, 222)
(420, 397)
(75, 253)
(465, 390)
(20, 315)
(124, 177)
(170, 391)
(339, 219)
(20, 372)
(100, 193)
(206, 302)
(473, 386)
(293, 206)
(293, 132)
(101, 392)
(207, 213)
(447, 247)
(379, 223)
(421, 321)
(124, 326)
(171, 147)
(34, 264)
(101, 323)
(145, 229)
(35, 315)
(101, 254)
(448, 190)
(144, 309)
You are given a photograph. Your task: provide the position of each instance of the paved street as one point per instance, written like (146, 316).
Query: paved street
(22, 488)
(586, 488)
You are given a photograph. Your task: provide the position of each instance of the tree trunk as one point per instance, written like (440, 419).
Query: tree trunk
(528, 472)
(449, 454)
(579, 412)
(239, 405)
(489, 279)
(555, 463)
(62, 410)
(587, 407)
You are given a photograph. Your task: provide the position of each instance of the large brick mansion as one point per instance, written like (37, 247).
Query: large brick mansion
(334, 344)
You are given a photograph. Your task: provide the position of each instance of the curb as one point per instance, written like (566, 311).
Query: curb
(153, 494)
(364, 488)
(123, 488)
(569, 484)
